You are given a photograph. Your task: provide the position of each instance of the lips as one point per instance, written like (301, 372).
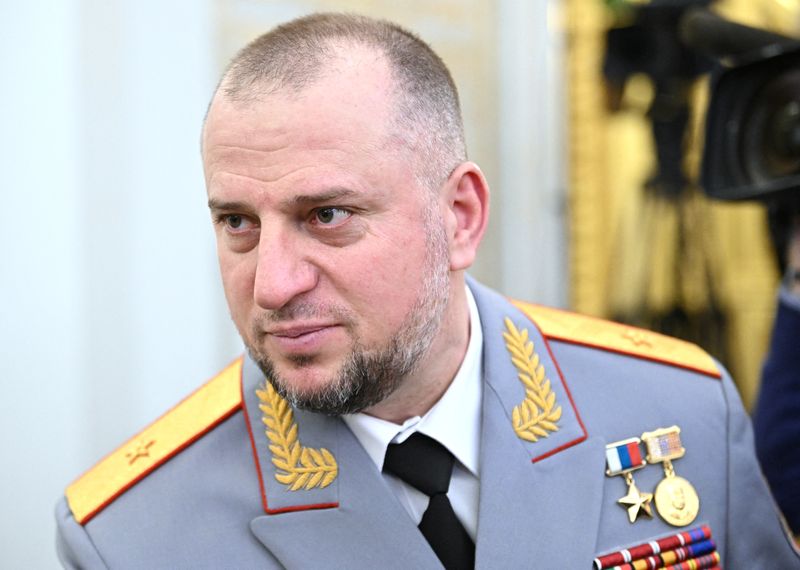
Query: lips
(299, 338)
(296, 330)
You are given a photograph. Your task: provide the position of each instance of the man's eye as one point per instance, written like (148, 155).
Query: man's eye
(235, 222)
(330, 216)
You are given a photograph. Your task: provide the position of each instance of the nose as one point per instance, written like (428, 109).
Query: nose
(283, 272)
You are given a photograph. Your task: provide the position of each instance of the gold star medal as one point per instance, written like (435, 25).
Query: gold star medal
(623, 458)
(676, 499)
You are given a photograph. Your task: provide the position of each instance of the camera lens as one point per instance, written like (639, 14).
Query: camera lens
(770, 141)
(785, 130)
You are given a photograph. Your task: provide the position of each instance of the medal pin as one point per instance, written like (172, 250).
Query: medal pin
(676, 500)
(623, 458)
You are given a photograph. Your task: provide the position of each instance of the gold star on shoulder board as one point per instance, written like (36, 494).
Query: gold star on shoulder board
(636, 502)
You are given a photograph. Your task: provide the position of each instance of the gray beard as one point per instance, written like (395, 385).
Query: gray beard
(369, 375)
(364, 379)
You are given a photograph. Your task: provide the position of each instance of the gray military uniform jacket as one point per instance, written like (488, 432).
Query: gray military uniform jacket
(223, 498)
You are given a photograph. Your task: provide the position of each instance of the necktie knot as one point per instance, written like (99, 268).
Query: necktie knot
(421, 462)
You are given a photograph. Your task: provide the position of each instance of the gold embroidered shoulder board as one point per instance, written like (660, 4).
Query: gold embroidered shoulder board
(589, 331)
(200, 412)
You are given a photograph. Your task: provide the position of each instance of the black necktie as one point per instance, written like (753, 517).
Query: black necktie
(426, 465)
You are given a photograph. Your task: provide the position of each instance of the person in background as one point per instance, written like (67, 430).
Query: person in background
(776, 419)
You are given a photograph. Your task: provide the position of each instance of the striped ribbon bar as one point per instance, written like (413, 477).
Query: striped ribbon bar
(683, 553)
(701, 563)
(663, 444)
(624, 456)
(665, 544)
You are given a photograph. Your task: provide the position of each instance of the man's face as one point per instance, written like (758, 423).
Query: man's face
(334, 260)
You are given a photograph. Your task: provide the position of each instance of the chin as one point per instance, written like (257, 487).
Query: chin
(304, 383)
(301, 379)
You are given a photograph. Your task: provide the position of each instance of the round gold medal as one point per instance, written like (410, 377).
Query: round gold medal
(676, 501)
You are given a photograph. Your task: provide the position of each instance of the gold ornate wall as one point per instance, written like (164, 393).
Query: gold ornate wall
(634, 255)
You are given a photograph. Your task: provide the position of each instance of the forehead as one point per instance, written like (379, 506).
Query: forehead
(351, 99)
(339, 131)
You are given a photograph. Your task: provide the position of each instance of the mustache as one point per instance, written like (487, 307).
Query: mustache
(305, 310)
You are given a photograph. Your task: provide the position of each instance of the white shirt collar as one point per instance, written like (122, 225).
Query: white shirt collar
(454, 421)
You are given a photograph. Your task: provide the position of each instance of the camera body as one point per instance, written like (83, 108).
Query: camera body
(752, 146)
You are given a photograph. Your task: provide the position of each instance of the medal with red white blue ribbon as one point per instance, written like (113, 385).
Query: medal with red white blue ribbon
(623, 458)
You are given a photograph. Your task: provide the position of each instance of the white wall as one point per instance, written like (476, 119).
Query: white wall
(40, 279)
(111, 307)
(532, 171)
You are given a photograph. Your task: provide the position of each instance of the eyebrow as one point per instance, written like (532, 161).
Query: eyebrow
(214, 204)
(330, 195)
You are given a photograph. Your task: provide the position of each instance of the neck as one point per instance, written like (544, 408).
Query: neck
(433, 375)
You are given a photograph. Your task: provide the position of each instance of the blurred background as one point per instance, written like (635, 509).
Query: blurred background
(112, 308)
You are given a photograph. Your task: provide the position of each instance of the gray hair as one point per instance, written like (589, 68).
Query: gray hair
(293, 55)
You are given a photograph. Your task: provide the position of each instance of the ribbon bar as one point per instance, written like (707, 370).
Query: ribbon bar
(668, 543)
(663, 444)
(624, 456)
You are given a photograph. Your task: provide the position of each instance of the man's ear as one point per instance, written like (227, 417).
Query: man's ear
(465, 198)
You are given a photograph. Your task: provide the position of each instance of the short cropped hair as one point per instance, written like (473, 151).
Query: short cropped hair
(293, 55)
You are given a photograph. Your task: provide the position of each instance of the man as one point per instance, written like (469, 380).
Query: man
(392, 413)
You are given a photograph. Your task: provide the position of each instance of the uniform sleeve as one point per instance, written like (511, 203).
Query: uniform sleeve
(74, 547)
(756, 535)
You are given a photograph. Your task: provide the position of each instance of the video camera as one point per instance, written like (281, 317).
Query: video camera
(752, 141)
(752, 134)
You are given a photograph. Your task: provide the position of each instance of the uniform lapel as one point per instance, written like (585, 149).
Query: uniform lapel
(369, 528)
(539, 501)
(354, 522)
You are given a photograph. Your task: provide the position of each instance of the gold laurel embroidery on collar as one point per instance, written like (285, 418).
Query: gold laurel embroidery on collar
(298, 467)
(538, 414)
